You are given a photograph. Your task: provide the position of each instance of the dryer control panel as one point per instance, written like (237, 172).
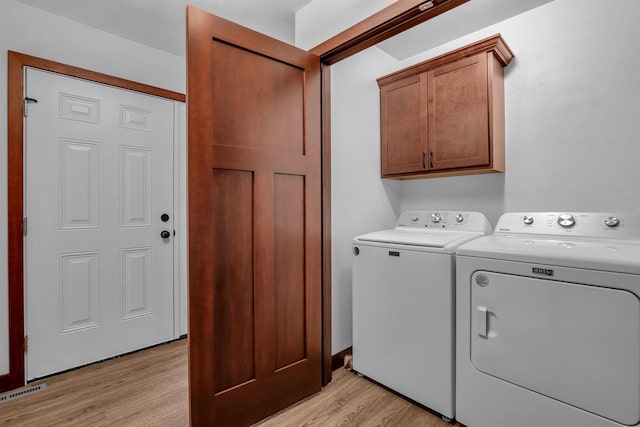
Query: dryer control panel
(624, 226)
(444, 220)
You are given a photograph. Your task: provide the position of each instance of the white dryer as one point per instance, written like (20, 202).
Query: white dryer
(403, 304)
(548, 322)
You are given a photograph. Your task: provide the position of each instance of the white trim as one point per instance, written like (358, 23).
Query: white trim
(180, 219)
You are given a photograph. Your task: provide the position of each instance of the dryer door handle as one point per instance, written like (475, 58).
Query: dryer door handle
(482, 325)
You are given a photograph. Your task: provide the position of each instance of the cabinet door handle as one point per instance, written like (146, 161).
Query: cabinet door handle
(431, 159)
(424, 154)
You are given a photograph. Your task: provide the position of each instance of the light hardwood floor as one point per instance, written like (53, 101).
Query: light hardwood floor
(350, 400)
(149, 388)
(142, 389)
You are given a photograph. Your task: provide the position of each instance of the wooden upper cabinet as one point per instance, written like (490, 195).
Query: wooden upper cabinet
(445, 116)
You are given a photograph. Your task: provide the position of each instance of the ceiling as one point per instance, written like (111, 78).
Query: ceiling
(161, 23)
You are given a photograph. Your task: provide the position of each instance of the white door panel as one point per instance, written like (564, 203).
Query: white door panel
(574, 343)
(99, 175)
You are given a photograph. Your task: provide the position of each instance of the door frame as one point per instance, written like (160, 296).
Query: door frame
(15, 177)
(389, 21)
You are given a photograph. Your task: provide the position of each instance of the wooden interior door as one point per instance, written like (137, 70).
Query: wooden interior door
(254, 223)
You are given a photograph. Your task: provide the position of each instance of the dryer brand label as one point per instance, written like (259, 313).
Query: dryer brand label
(394, 253)
(542, 271)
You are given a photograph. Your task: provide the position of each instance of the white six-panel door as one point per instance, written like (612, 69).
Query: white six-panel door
(99, 176)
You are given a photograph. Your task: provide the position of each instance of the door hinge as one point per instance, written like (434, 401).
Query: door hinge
(28, 101)
(25, 223)
(26, 343)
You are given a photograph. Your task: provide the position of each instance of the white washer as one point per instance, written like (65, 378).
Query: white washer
(403, 304)
(548, 322)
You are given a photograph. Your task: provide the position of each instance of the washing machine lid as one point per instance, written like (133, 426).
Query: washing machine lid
(430, 231)
(595, 254)
(418, 238)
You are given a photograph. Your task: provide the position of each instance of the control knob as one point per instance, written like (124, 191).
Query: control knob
(527, 219)
(459, 218)
(435, 217)
(414, 218)
(566, 220)
(612, 221)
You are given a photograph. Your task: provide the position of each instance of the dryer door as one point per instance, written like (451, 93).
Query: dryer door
(579, 344)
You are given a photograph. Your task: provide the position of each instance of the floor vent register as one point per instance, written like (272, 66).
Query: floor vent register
(21, 393)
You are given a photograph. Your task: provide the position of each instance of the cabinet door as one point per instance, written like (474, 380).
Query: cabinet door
(458, 116)
(403, 117)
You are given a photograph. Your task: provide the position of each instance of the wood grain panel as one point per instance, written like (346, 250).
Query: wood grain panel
(93, 76)
(326, 225)
(252, 84)
(495, 70)
(280, 147)
(403, 112)
(289, 249)
(458, 114)
(226, 157)
(200, 298)
(233, 284)
(15, 213)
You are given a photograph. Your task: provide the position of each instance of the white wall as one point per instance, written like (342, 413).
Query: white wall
(360, 200)
(572, 109)
(28, 30)
(572, 126)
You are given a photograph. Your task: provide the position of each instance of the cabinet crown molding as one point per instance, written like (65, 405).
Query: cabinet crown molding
(494, 44)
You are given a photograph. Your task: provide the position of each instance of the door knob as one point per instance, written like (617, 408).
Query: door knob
(165, 234)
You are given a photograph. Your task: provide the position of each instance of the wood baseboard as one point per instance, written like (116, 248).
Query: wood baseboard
(337, 360)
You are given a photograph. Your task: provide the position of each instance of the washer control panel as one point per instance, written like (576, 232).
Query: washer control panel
(444, 220)
(579, 224)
